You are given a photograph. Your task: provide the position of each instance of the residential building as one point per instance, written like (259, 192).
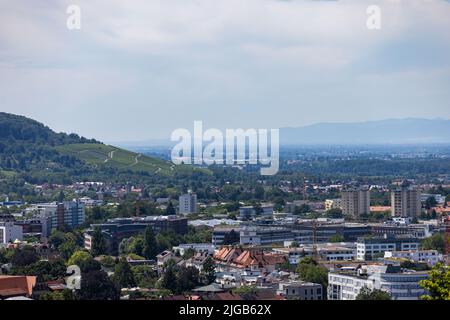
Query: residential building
(188, 203)
(197, 247)
(355, 202)
(399, 283)
(333, 204)
(16, 286)
(250, 262)
(405, 202)
(300, 290)
(57, 215)
(370, 248)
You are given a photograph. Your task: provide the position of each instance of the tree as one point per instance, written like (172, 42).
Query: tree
(169, 280)
(84, 261)
(309, 270)
(336, 238)
(61, 196)
(189, 253)
(123, 274)
(98, 242)
(231, 237)
(187, 279)
(430, 202)
(246, 292)
(150, 244)
(437, 284)
(366, 294)
(24, 257)
(334, 213)
(209, 270)
(170, 210)
(96, 285)
(435, 242)
(304, 208)
(145, 276)
(79, 257)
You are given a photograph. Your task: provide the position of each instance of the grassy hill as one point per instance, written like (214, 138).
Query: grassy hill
(101, 155)
(33, 152)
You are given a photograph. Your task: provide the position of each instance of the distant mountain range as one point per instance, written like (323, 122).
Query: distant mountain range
(392, 131)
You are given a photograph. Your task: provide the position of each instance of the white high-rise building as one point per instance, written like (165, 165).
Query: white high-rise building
(405, 202)
(188, 203)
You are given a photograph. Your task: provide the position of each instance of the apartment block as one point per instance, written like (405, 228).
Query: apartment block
(355, 202)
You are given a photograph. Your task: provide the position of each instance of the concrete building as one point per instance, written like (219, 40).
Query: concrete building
(355, 202)
(188, 203)
(9, 232)
(226, 235)
(198, 247)
(325, 251)
(400, 284)
(115, 230)
(57, 215)
(440, 199)
(333, 204)
(370, 248)
(258, 236)
(405, 202)
(430, 257)
(300, 290)
(249, 212)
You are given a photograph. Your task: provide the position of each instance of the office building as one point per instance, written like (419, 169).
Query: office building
(371, 248)
(400, 284)
(250, 212)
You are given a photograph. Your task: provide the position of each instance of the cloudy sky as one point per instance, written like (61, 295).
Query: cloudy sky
(139, 69)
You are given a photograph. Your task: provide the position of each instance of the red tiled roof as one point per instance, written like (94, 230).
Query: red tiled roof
(16, 285)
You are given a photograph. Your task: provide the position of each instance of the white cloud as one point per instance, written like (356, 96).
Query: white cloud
(222, 59)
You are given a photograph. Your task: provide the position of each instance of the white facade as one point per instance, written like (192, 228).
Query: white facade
(9, 232)
(198, 247)
(188, 203)
(400, 285)
(55, 215)
(431, 257)
(373, 247)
